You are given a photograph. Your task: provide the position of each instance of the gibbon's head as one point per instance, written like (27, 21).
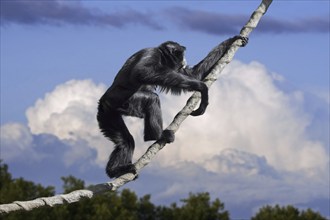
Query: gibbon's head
(175, 52)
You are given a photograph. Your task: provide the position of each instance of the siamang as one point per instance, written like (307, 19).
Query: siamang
(133, 93)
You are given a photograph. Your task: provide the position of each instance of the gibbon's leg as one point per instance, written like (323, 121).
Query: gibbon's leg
(153, 121)
(146, 104)
(113, 127)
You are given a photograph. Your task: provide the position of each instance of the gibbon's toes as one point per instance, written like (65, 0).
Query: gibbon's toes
(245, 41)
(197, 112)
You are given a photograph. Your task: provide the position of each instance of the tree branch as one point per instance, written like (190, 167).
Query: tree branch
(77, 195)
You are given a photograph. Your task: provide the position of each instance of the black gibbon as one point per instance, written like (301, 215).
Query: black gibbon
(132, 93)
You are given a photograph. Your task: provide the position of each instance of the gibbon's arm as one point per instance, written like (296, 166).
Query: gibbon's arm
(204, 67)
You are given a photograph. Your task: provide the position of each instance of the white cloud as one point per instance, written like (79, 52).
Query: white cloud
(66, 109)
(69, 113)
(252, 146)
(253, 143)
(240, 179)
(17, 142)
(249, 113)
(239, 162)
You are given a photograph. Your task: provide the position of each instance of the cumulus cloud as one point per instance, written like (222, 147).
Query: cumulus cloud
(239, 162)
(247, 112)
(69, 113)
(242, 190)
(17, 143)
(251, 146)
(253, 141)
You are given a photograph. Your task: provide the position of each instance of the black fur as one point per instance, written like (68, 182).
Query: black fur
(133, 94)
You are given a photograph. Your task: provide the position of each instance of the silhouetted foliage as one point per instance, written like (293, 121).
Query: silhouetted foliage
(125, 205)
(286, 212)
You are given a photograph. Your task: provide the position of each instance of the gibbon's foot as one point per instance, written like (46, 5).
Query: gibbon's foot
(121, 170)
(151, 137)
(201, 110)
(167, 136)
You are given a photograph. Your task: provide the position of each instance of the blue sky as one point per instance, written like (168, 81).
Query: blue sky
(266, 131)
